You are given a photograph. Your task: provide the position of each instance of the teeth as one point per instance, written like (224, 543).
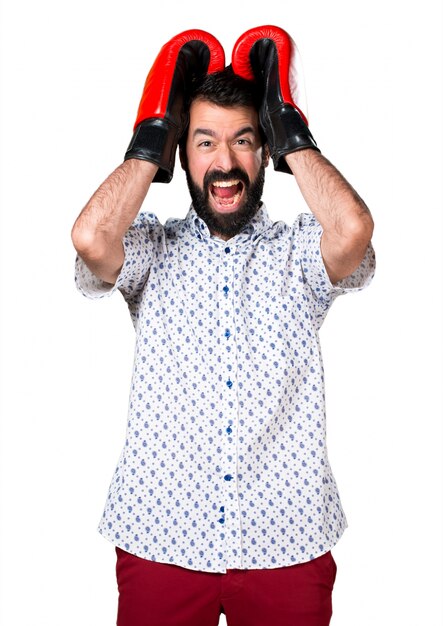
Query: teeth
(225, 183)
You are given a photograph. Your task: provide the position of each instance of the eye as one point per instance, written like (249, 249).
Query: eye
(244, 143)
(207, 143)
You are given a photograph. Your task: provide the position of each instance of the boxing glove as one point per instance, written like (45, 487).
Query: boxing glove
(162, 114)
(268, 55)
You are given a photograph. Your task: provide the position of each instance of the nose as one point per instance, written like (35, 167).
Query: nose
(225, 158)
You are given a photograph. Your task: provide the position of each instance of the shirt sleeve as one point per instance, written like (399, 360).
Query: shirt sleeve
(314, 271)
(139, 246)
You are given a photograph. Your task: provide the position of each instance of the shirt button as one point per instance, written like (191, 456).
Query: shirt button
(226, 289)
(229, 383)
(227, 249)
(229, 430)
(228, 477)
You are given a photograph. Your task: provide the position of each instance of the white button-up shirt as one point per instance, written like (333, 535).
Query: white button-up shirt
(225, 462)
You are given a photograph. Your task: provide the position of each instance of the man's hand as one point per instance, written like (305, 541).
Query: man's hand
(268, 55)
(162, 115)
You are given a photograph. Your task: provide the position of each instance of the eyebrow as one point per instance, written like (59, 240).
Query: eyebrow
(207, 131)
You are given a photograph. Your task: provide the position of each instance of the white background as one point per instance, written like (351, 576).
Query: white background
(72, 75)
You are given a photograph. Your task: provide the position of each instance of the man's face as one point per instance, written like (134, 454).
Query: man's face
(225, 165)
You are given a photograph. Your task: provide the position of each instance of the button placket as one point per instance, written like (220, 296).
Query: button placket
(231, 521)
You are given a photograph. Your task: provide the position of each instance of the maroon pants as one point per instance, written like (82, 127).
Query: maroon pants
(159, 594)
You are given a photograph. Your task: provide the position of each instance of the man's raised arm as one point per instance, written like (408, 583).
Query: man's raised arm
(161, 120)
(98, 231)
(268, 55)
(345, 218)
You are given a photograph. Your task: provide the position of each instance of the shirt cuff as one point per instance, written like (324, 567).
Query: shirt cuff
(360, 278)
(89, 284)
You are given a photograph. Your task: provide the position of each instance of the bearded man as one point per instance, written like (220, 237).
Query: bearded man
(223, 499)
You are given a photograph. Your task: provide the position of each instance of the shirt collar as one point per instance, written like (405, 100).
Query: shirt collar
(257, 226)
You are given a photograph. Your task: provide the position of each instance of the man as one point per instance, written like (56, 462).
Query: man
(223, 499)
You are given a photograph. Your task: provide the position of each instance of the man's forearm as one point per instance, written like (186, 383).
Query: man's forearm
(98, 231)
(335, 204)
(345, 218)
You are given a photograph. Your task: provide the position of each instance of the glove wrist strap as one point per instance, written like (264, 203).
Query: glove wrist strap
(155, 140)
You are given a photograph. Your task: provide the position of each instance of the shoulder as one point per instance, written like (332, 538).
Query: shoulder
(146, 221)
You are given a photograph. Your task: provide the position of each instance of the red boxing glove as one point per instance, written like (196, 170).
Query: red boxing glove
(268, 55)
(162, 114)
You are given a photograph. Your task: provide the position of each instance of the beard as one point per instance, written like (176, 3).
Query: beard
(229, 224)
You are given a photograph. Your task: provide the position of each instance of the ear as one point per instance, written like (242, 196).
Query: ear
(266, 154)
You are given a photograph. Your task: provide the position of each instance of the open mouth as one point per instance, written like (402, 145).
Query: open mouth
(227, 194)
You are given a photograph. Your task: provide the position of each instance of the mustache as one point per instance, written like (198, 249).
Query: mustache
(219, 176)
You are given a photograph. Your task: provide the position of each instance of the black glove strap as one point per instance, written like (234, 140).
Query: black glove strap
(155, 140)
